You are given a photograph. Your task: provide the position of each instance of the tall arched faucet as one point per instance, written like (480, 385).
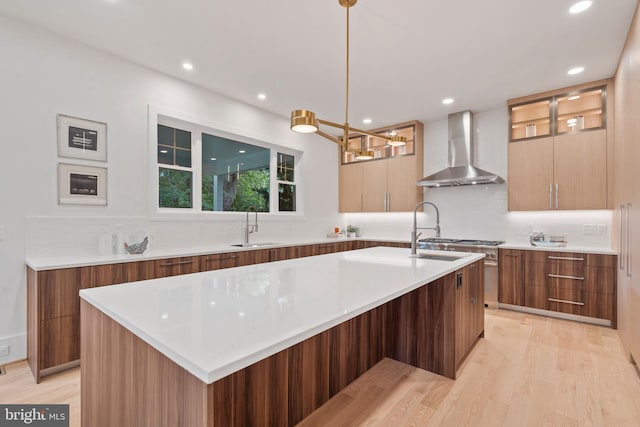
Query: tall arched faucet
(250, 228)
(414, 235)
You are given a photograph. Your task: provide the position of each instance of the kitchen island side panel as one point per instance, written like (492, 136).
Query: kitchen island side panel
(126, 382)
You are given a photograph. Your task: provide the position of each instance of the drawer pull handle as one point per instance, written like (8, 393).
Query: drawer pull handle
(171, 264)
(565, 301)
(560, 276)
(566, 258)
(222, 258)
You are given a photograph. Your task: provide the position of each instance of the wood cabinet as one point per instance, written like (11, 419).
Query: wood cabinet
(53, 302)
(567, 165)
(469, 309)
(510, 285)
(386, 183)
(176, 266)
(564, 282)
(535, 280)
(219, 261)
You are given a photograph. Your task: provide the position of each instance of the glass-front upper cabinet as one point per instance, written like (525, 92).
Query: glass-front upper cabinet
(531, 119)
(572, 111)
(581, 110)
(366, 148)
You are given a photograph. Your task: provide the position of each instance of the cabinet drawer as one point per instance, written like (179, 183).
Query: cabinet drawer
(102, 275)
(174, 266)
(566, 296)
(60, 341)
(58, 293)
(592, 304)
(219, 261)
(567, 267)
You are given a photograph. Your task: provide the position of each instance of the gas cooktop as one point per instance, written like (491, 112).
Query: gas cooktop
(472, 242)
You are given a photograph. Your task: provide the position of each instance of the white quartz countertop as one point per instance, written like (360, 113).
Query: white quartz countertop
(53, 262)
(568, 248)
(218, 322)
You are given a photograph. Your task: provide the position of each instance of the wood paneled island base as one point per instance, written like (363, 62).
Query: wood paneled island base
(126, 382)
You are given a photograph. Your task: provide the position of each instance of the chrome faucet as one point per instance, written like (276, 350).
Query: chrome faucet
(250, 228)
(414, 235)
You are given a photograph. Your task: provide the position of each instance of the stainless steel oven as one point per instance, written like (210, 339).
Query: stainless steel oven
(488, 247)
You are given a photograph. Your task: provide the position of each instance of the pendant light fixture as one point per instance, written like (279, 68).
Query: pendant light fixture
(305, 121)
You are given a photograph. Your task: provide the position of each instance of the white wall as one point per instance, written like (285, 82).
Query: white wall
(481, 211)
(43, 75)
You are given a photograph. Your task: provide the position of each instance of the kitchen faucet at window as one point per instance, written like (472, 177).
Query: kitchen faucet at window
(250, 228)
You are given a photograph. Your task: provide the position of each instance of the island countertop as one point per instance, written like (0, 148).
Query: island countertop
(218, 322)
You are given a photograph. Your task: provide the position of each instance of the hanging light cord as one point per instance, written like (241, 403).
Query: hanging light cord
(346, 114)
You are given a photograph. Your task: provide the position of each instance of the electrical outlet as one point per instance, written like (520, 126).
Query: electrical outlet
(602, 229)
(589, 229)
(4, 350)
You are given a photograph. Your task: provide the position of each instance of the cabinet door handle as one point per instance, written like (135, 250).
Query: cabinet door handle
(566, 258)
(629, 247)
(557, 193)
(458, 280)
(560, 276)
(565, 301)
(550, 196)
(384, 201)
(621, 241)
(388, 202)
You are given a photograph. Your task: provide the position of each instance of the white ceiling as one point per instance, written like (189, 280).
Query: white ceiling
(406, 56)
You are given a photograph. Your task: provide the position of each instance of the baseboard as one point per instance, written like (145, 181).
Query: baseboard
(17, 348)
(556, 314)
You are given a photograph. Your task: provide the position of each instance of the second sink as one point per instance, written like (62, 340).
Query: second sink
(255, 245)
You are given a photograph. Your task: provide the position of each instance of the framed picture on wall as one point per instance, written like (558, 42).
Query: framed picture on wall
(82, 139)
(81, 185)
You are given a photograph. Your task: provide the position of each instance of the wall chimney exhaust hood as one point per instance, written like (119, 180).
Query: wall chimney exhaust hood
(461, 170)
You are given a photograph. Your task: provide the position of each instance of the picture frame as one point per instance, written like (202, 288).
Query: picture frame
(82, 185)
(81, 138)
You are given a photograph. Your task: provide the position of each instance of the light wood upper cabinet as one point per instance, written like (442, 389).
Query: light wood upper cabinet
(559, 156)
(580, 170)
(386, 183)
(531, 175)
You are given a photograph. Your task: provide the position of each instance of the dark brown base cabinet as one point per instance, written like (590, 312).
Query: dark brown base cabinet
(53, 303)
(565, 282)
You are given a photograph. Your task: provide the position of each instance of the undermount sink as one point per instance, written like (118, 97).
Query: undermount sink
(255, 245)
(437, 257)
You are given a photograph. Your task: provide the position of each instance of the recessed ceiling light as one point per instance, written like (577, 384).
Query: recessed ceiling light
(447, 101)
(164, 316)
(187, 66)
(242, 151)
(576, 70)
(262, 96)
(366, 121)
(213, 158)
(573, 98)
(581, 6)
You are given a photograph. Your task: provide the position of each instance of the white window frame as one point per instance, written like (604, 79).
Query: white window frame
(173, 118)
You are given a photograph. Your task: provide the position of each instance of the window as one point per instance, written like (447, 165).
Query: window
(286, 186)
(200, 169)
(175, 180)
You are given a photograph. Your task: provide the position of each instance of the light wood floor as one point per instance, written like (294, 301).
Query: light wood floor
(527, 371)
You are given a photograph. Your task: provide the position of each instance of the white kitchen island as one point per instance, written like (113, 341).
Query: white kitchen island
(266, 344)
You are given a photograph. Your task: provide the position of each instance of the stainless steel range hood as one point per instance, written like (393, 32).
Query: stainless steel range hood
(461, 170)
